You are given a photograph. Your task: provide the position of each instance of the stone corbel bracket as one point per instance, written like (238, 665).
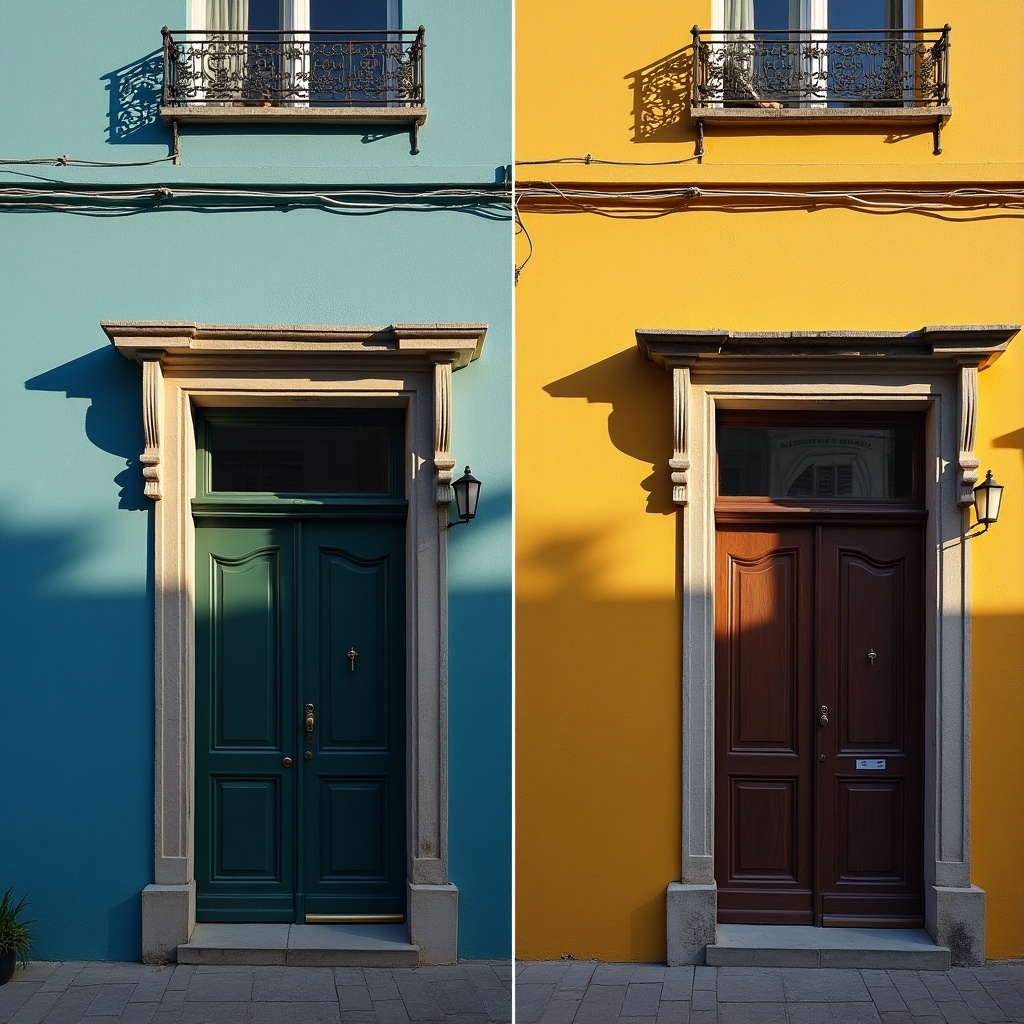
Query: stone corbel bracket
(152, 415)
(962, 350)
(679, 464)
(443, 461)
(968, 463)
(439, 347)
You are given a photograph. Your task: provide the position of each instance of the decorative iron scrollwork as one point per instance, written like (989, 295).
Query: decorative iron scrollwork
(841, 68)
(315, 68)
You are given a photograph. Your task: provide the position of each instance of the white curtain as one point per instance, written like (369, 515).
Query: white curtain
(227, 15)
(739, 15)
(224, 66)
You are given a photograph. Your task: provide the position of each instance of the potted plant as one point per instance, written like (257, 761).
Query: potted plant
(15, 935)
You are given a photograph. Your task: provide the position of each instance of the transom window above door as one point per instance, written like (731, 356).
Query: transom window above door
(812, 459)
(326, 454)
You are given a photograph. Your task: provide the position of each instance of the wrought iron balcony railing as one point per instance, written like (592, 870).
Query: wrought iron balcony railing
(344, 70)
(825, 69)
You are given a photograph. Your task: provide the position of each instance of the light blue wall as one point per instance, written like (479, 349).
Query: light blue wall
(78, 91)
(76, 695)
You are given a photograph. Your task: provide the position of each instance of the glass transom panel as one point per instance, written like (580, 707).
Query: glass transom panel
(816, 462)
(336, 455)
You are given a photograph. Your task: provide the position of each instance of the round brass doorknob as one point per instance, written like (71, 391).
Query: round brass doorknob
(287, 762)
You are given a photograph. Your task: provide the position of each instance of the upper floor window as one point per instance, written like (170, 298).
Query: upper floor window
(295, 15)
(833, 53)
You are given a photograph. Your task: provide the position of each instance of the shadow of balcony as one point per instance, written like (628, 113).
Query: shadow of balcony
(661, 98)
(134, 93)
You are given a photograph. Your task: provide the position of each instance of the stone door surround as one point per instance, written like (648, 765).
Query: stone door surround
(186, 366)
(932, 371)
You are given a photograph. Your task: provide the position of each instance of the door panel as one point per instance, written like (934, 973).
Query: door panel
(819, 691)
(247, 826)
(245, 685)
(871, 832)
(762, 731)
(279, 606)
(354, 859)
(246, 650)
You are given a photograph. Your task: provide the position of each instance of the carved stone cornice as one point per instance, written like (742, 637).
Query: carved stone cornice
(955, 346)
(962, 350)
(163, 346)
(183, 339)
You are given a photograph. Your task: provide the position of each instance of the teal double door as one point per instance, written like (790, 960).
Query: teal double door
(300, 719)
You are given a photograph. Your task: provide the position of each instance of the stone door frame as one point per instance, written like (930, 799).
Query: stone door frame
(187, 365)
(933, 372)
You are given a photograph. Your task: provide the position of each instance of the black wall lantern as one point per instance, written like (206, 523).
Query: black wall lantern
(987, 498)
(467, 496)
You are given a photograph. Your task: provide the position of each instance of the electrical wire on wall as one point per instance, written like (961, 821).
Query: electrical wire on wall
(973, 203)
(71, 161)
(104, 200)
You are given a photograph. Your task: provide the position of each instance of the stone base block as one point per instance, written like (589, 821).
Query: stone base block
(956, 918)
(691, 918)
(434, 922)
(168, 917)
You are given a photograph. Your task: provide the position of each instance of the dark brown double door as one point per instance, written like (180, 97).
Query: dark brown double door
(819, 703)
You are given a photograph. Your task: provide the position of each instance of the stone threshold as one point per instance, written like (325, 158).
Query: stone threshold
(749, 945)
(300, 945)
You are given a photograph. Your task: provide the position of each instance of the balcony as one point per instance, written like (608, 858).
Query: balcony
(298, 77)
(821, 77)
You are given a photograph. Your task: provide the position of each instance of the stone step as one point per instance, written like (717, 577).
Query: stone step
(300, 945)
(749, 945)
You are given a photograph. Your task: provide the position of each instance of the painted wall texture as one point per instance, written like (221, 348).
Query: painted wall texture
(76, 601)
(602, 108)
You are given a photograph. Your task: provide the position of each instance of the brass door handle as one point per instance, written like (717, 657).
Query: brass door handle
(823, 718)
(310, 723)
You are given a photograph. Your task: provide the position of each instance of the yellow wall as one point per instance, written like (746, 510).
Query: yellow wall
(998, 652)
(598, 613)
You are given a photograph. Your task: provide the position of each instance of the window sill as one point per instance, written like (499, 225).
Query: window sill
(293, 115)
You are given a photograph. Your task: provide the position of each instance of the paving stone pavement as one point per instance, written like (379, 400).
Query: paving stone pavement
(125, 993)
(587, 992)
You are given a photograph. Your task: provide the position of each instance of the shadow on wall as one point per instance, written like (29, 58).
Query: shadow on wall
(76, 735)
(661, 99)
(997, 783)
(599, 717)
(135, 93)
(640, 422)
(598, 741)
(1014, 439)
(480, 768)
(114, 420)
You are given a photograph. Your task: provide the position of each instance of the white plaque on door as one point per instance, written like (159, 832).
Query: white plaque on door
(871, 765)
